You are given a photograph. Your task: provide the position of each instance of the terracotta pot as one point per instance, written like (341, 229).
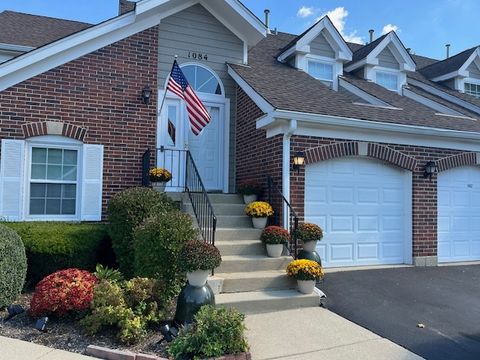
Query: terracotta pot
(159, 186)
(310, 246)
(259, 222)
(306, 286)
(274, 250)
(198, 278)
(247, 199)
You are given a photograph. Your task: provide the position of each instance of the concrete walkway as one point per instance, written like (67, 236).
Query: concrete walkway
(13, 349)
(316, 333)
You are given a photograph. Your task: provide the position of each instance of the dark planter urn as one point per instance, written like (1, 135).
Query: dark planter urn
(190, 300)
(310, 255)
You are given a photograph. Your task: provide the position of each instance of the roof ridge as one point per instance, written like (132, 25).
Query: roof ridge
(45, 17)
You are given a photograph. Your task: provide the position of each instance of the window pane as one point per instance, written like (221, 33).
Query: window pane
(387, 80)
(472, 89)
(37, 206)
(54, 172)
(53, 207)
(320, 70)
(201, 79)
(70, 173)
(54, 190)
(69, 191)
(54, 156)
(68, 207)
(70, 157)
(38, 190)
(39, 171)
(39, 156)
(189, 72)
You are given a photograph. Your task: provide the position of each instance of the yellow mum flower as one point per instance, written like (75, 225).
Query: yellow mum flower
(259, 209)
(304, 269)
(160, 175)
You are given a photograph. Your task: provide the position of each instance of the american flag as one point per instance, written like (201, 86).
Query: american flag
(197, 112)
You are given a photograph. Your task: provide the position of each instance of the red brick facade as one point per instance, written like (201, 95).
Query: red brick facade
(98, 99)
(259, 154)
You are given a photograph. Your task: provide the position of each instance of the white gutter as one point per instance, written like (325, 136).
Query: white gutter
(286, 170)
(17, 48)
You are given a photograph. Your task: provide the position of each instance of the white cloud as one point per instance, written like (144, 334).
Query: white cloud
(305, 12)
(389, 27)
(339, 17)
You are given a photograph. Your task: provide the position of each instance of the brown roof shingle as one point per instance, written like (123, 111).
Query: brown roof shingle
(34, 30)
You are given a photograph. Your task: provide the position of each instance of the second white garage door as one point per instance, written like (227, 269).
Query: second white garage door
(459, 214)
(364, 207)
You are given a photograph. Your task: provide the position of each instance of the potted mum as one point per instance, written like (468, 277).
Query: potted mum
(259, 211)
(275, 238)
(197, 259)
(306, 272)
(309, 234)
(159, 177)
(250, 191)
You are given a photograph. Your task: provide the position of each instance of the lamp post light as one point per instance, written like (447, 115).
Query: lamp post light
(430, 169)
(298, 160)
(146, 95)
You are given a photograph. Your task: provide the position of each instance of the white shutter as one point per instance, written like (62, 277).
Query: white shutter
(92, 176)
(12, 179)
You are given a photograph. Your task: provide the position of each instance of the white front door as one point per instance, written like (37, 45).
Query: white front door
(207, 148)
(363, 206)
(459, 214)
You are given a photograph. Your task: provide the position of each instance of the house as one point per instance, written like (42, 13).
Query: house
(390, 140)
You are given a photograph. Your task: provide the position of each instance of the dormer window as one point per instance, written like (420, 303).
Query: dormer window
(473, 89)
(388, 80)
(322, 71)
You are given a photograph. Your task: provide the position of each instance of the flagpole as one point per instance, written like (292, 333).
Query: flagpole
(165, 93)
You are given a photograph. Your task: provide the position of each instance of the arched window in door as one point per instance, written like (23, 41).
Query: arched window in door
(202, 79)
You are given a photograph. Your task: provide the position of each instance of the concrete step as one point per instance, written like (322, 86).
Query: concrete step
(237, 234)
(225, 199)
(220, 208)
(240, 247)
(245, 263)
(256, 281)
(267, 301)
(234, 221)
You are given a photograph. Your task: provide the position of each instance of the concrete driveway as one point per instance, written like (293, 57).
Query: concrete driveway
(391, 302)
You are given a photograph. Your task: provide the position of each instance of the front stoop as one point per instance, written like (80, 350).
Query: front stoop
(247, 279)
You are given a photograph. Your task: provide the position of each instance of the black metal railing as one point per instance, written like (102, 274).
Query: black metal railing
(283, 210)
(185, 178)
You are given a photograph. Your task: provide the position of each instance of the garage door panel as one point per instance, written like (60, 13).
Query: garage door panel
(459, 214)
(365, 211)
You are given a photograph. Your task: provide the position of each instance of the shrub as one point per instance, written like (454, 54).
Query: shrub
(13, 266)
(160, 174)
(105, 273)
(130, 306)
(249, 187)
(309, 232)
(127, 210)
(259, 209)
(304, 270)
(275, 235)
(157, 246)
(198, 255)
(216, 332)
(54, 246)
(63, 292)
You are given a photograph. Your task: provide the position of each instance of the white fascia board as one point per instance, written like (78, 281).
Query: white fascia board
(430, 103)
(445, 96)
(448, 76)
(263, 104)
(470, 59)
(355, 129)
(254, 21)
(361, 94)
(13, 47)
(357, 65)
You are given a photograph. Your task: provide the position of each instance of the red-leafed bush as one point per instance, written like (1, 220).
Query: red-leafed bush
(275, 235)
(63, 292)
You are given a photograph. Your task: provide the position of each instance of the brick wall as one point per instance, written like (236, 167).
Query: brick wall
(256, 156)
(102, 93)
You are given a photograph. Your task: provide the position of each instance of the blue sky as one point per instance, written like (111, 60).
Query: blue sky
(424, 25)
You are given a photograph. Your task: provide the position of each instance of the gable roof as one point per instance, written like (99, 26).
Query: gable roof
(453, 63)
(34, 30)
(284, 88)
(364, 51)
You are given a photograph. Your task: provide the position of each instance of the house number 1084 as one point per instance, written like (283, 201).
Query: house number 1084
(197, 56)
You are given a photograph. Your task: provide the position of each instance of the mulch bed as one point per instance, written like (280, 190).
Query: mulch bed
(68, 334)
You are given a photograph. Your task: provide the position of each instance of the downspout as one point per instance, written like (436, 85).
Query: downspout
(286, 169)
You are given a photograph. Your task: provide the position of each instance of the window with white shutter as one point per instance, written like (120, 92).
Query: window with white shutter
(92, 183)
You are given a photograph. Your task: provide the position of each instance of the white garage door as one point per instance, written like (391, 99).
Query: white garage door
(459, 214)
(364, 207)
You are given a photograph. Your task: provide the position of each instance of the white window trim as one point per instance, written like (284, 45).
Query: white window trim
(401, 77)
(470, 81)
(52, 141)
(302, 64)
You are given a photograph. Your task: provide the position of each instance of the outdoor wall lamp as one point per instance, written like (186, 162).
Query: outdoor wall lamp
(146, 94)
(298, 160)
(430, 169)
